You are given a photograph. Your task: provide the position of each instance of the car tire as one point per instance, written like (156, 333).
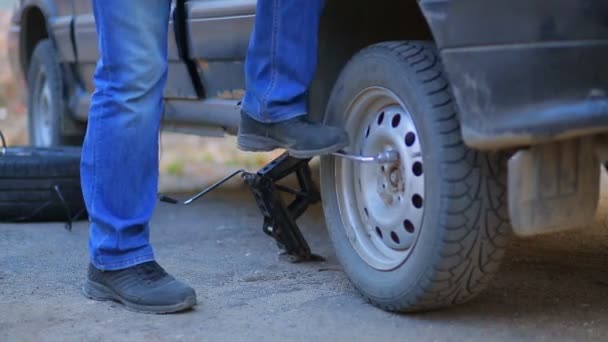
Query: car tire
(46, 104)
(40, 184)
(437, 236)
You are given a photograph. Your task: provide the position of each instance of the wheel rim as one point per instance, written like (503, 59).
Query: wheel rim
(42, 116)
(382, 206)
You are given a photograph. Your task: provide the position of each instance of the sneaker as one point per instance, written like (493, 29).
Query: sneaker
(144, 288)
(300, 137)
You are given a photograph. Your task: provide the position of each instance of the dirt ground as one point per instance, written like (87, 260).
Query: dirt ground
(549, 289)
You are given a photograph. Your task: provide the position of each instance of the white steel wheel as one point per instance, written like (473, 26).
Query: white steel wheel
(429, 230)
(382, 205)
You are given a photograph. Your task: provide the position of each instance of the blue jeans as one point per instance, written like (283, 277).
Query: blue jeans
(119, 167)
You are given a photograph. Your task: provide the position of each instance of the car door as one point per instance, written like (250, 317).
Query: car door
(85, 42)
(60, 22)
(218, 36)
(179, 82)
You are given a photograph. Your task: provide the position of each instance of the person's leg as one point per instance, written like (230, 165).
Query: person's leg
(281, 59)
(280, 66)
(120, 153)
(119, 168)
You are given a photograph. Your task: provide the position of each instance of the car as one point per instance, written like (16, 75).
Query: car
(498, 111)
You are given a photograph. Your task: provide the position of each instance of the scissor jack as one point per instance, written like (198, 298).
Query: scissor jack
(280, 217)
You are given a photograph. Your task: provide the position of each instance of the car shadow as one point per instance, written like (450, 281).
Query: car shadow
(558, 282)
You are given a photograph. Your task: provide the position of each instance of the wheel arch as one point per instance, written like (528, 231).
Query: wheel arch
(34, 28)
(38, 21)
(347, 26)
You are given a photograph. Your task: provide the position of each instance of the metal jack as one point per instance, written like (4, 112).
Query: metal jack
(279, 217)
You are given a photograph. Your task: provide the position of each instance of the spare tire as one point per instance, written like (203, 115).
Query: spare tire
(40, 184)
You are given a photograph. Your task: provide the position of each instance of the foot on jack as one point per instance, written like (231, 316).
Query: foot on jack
(144, 288)
(299, 136)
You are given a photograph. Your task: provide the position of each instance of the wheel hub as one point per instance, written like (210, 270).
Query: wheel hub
(395, 178)
(383, 204)
(390, 183)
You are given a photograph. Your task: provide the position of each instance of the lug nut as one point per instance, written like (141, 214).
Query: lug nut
(394, 177)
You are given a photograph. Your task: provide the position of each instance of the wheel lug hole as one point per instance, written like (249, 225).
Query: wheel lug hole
(395, 237)
(417, 169)
(417, 201)
(410, 138)
(381, 118)
(408, 226)
(396, 120)
(379, 232)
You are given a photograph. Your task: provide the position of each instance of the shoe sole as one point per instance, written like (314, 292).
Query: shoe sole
(101, 292)
(253, 143)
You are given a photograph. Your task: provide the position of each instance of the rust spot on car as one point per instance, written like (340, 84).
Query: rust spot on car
(203, 64)
(238, 93)
(235, 94)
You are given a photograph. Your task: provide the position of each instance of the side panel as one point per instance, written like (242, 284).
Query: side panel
(218, 33)
(14, 53)
(57, 16)
(179, 84)
(465, 23)
(60, 27)
(524, 71)
(220, 29)
(85, 37)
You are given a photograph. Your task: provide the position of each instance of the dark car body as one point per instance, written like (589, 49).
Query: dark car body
(525, 71)
(522, 71)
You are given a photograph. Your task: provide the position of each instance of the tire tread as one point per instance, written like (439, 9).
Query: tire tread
(475, 222)
(27, 185)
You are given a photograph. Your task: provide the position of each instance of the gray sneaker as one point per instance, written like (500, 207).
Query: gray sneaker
(144, 288)
(300, 137)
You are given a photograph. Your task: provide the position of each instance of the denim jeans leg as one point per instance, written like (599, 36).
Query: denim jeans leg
(119, 168)
(281, 59)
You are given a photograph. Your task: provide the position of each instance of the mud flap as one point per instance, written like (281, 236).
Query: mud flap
(553, 187)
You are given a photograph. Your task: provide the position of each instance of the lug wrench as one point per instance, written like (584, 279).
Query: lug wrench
(386, 157)
(167, 199)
